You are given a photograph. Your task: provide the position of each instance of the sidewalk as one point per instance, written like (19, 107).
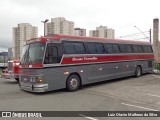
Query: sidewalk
(156, 71)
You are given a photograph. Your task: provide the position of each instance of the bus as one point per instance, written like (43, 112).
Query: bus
(64, 61)
(13, 69)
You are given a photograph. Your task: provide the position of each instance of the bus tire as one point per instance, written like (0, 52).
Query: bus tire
(138, 71)
(73, 83)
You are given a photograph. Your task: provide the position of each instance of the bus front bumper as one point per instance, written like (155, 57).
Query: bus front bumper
(10, 76)
(33, 88)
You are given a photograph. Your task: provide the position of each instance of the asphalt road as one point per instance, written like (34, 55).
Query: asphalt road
(125, 94)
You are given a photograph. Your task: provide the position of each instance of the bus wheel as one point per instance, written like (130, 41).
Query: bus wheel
(138, 71)
(73, 83)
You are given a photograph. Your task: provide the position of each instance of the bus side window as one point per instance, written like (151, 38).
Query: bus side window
(109, 48)
(123, 48)
(140, 48)
(150, 50)
(79, 47)
(92, 48)
(52, 55)
(135, 48)
(116, 48)
(145, 48)
(100, 48)
(129, 49)
(69, 48)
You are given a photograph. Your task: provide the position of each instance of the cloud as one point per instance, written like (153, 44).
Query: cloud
(120, 15)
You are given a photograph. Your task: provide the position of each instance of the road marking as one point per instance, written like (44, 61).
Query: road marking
(91, 118)
(156, 76)
(139, 107)
(154, 95)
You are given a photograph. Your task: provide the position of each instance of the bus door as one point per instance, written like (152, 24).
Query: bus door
(51, 55)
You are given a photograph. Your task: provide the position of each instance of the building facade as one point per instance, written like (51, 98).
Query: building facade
(3, 59)
(93, 33)
(10, 53)
(103, 32)
(110, 33)
(59, 25)
(22, 33)
(80, 32)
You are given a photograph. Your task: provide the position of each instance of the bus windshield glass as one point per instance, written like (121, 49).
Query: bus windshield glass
(10, 65)
(33, 53)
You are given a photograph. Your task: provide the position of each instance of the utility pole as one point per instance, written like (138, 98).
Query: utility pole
(4, 60)
(46, 20)
(156, 39)
(150, 35)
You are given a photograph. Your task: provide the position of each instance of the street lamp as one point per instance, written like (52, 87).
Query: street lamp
(145, 34)
(46, 20)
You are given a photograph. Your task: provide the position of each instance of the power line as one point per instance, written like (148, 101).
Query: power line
(132, 35)
(141, 31)
(138, 36)
(143, 38)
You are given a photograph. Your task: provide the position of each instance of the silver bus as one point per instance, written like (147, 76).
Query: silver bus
(62, 61)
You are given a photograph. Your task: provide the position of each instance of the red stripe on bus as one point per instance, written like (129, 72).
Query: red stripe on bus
(94, 59)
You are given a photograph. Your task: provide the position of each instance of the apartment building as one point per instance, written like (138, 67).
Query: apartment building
(110, 33)
(59, 25)
(93, 33)
(10, 53)
(80, 32)
(102, 31)
(20, 34)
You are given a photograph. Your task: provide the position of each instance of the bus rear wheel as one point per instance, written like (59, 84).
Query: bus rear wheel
(73, 83)
(138, 71)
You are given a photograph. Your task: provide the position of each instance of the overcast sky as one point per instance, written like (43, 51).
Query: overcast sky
(120, 15)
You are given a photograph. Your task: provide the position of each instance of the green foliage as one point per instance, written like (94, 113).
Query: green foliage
(157, 66)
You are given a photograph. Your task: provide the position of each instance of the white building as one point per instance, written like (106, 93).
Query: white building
(60, 25)
(93, 33)
(23, 32)
(110, 33)
(102, 31)
(10, 53)
(80, 32)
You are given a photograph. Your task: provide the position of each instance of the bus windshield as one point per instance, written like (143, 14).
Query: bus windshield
(10, 65)
(33, 53)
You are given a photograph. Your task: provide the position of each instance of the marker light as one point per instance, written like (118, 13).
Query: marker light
(66, 72)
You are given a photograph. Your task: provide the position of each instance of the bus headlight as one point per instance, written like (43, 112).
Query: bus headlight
(39, 79)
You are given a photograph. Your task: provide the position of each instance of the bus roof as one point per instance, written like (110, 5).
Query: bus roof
(59, 37)
(96, 39)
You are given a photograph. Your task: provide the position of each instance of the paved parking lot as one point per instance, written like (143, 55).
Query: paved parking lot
(125, 94)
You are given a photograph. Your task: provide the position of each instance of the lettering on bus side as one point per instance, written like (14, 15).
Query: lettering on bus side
(84, 58)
